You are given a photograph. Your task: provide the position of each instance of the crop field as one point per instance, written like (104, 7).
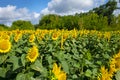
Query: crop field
(59, 55)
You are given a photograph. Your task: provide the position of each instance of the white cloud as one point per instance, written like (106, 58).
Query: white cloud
(65, 7)
(11, 13)
(117, 12)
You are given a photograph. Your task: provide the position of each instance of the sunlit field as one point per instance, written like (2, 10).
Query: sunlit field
(59, 55)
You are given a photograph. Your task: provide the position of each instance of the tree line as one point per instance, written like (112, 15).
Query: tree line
(99, 18)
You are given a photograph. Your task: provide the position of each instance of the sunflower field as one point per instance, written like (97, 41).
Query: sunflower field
(59, 55)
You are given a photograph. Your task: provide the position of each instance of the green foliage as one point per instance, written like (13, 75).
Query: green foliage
(117, 75)
(79, 21)
(50, 21)
(107, 9)
(3, 27)
(81, 57)
(93, 21)
(22, 25)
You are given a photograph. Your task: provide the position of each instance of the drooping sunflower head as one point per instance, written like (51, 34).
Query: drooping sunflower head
(32, 54)
(59, 74)
(17, 37)
(5, 46)
(56, 70)
(32, 38)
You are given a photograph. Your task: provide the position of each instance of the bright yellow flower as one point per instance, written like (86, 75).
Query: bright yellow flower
(5, 35)
(60, 75)
(65, 36)
(40, 37)
(74, 33)
(5, 46)
(32, 54)
(107, 35)
(117, 61)
(18, 35)
(112, 70)
(55, 36)
(114, 66)
(62, 41)
(104, 74)
(32, 38)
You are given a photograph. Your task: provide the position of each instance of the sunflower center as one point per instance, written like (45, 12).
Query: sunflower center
(55, 36)
(117, 63)
(3, 45)
(32, 54)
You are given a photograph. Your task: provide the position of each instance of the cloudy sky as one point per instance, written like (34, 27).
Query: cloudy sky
(32, 10)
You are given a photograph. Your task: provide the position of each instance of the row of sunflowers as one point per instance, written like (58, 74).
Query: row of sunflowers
(59, 55)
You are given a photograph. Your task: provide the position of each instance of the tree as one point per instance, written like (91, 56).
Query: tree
(107, 9)
(3, 27)
(22, 25)
(70, 22)
(49, 21)
(93, 21)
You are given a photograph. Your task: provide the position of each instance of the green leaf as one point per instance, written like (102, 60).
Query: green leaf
(23, 59)
(100, 45)
(3, 58)
(20, 76)
(117, 75)
(37, 66)
(18, 50)
(99, 62)
(27, 76)
(106, 56)
(15, 61)
(50, 46)
(74, 76)
(65, 66)
(26, 48)
(49, 58)
(3, 72)
(89, 57)
(88, 73)
(77, 65)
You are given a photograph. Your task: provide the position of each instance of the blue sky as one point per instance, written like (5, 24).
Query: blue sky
(32, 5)
(32, 10)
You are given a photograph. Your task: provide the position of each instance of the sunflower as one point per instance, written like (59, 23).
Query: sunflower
(17, 37)
(32, 54)
(55, 36)
(60, 75)
(114, 67)
(107, 35)
(32, 38)
(104, 74)
(74, 33)
(5, 46)
(6, 37)
(116, 60)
